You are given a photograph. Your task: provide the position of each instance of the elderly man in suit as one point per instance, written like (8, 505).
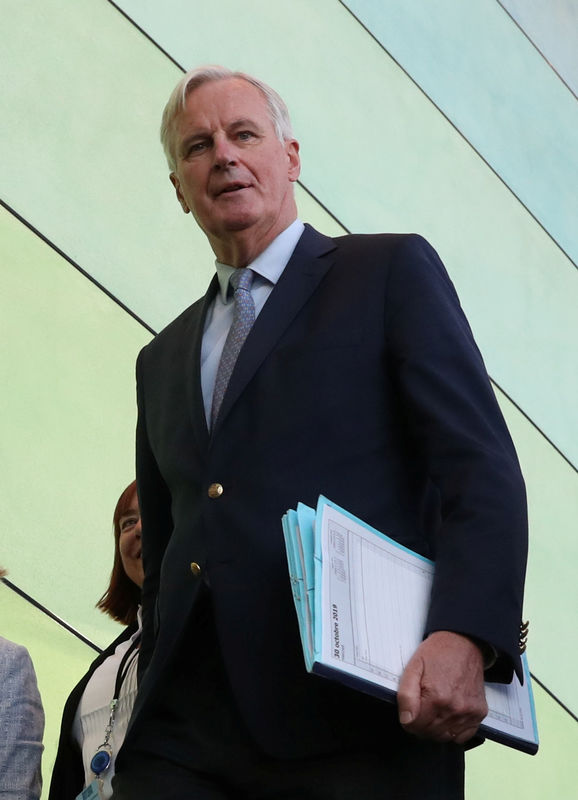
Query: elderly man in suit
(312, 365)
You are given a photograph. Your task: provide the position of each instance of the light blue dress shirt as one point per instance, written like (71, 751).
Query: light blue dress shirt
(268, 268)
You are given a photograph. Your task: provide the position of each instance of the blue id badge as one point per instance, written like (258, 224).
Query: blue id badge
(90, 793)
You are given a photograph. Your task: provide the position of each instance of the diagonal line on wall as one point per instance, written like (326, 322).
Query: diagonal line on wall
(553, 696)
(459, 132)
(49, 613)
(76, 266)
(536, 427)
(535, 46)
(146, 35)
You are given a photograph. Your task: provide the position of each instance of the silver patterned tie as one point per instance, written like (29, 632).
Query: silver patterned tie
(243, 319)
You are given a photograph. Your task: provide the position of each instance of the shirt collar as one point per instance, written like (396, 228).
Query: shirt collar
(138, 631)
(270, 263)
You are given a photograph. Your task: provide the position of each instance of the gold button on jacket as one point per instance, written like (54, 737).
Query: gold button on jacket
(195, 569)
(215, 490)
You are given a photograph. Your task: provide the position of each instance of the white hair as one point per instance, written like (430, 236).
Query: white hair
(195, 78)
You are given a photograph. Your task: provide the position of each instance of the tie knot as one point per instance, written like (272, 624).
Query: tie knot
(242, 278)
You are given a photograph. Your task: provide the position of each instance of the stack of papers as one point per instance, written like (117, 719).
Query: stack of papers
(362, 601)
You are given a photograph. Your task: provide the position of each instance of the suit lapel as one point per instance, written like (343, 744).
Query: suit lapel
(193, 371)
(301, 276)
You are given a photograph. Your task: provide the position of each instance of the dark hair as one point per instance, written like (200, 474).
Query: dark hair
(122, 598)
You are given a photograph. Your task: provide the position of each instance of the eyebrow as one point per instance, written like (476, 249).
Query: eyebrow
(245, 122)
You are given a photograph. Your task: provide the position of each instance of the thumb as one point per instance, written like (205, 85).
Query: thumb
(409, 692)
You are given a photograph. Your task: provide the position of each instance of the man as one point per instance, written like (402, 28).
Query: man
(358, 379)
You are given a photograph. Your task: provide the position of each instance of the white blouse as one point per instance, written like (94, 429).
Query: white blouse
(93, 711)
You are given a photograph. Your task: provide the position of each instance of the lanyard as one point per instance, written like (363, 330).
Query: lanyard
(101, 760)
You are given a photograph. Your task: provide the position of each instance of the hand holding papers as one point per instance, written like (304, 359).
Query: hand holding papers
(441, 694)
(362, 600)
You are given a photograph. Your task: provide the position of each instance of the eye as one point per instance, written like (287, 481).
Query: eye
(245, 136)
(127, 523)
(197, 147)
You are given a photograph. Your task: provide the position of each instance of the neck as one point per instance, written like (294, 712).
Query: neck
(242, 247)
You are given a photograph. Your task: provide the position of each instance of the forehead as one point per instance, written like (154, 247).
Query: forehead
(219, 103)
(130, 506)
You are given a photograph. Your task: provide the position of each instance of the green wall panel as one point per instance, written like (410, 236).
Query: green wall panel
(67, 427)
(494, 771)
(492, 83)
(551, 587)
(553, 28)
(86, 88)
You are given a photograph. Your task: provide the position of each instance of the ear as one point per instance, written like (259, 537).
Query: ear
(175, 181)
(294, 162)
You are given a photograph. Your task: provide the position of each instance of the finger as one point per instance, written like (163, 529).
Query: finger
(454, 729)
(409, 693)
(463, 735)
(456, 738)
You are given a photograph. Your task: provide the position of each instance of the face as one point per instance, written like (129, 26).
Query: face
(233, 173)
(129, 543)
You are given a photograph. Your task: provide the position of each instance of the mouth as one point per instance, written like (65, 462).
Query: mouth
(232, 187)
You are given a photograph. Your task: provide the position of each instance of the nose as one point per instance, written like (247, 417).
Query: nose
(138, 529)
(224, 153)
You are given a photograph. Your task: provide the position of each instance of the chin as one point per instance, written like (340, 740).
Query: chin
(239, 221)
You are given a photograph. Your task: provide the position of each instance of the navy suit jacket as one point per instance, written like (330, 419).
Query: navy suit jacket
(360, 380)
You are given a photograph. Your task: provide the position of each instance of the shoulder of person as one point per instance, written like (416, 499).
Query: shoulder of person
(13, 657)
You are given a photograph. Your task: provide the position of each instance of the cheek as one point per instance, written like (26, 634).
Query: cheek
(189, 188)
(193, 180)
(277, 181)
(196, 200)
(124, 549)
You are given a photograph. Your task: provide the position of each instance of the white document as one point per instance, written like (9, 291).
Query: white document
(374, 600)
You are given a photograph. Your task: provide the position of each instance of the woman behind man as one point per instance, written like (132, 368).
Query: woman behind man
(84, 750)
(21, 724)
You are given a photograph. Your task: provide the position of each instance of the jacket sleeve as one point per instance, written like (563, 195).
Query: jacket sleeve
(453, 415)
(21, 725)
(156, 521)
